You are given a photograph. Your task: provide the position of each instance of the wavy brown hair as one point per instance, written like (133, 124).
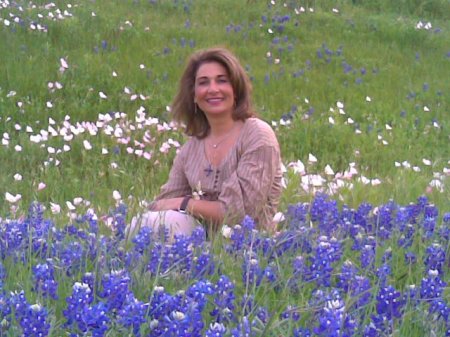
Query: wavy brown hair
(183, 106)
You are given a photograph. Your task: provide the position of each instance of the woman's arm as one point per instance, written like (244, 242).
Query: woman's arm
(211, 211)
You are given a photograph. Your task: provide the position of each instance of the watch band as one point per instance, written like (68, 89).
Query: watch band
(184, 204)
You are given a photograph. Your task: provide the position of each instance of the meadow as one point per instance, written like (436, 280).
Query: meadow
(358, 95)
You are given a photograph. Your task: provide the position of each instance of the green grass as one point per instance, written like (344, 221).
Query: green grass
(378, 39)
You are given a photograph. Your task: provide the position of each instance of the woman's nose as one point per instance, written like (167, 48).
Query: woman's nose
(213, 87)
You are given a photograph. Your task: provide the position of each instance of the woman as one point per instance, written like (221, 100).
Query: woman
(230, 166)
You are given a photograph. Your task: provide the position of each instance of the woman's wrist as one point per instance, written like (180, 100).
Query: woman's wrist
(184, 204)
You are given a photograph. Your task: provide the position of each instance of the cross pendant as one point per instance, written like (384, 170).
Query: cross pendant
(208, 170)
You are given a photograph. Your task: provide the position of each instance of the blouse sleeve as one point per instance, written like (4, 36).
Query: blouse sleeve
(246, 191)
(177, 185)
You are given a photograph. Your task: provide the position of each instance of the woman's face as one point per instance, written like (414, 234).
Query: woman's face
(213, 90)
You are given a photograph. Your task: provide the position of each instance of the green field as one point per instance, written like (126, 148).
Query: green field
(356, 91)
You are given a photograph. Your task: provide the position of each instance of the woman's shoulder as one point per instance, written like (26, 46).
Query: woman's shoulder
(192, 144)
(257, 130)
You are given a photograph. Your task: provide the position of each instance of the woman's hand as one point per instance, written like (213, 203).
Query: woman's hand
(166, 204)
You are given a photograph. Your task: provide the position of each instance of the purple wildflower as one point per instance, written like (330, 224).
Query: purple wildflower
(243, 329)
(325, 213)
(5, 311)
(435, 257)
(116, 287)
(198, 293)
(296, 215)
(216, 330)
(334, 320)
(291, 312)
(142, 239)
(224, 300)
(181, 252)
(44, 279)
(133, 314)
(95, 320)
(302, 332)
(80, 299)
(347, 275)
(203, 265)
(251, 271)
(32, 318)
(367, 256)
(389, 303)
(327, 251)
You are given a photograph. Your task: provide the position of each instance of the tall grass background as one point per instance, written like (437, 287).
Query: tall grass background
(373, 57)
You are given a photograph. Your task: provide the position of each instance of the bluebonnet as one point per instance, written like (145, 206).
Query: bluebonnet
(242, 235)
(299, 270)
(384, 219)
(251, 271)
(362, 217)
(95, 320)
(5, 311)
(199, 293)
(429, 224)
(203, 265)
(2, 274)
(444, 231)
(216, 330)
(80, 299)
(302, 332)
(44, 279)
(435, 257)
(178, 315)
(160, 259)
(431, 290)
(347, 275)
(402, 217)
(181, 252)
(263, 314)
(133, 314)
(14, 239)
(291, 312)
(224, 298)
(358, 287)
(243, 329)
(292, 241)
(327, 251)
(198, 236)
(89, 279)
(33, 319)
(143, 239)
(270, 273)
(115, 288)
(39, 228)
(325, 213)
(383, 272)
(360, 290)
(91, 219)
(297, 215)
(390, 304)
(71, 256)
(334, 320)
(367, 256)
(119, 220)
(406, 238)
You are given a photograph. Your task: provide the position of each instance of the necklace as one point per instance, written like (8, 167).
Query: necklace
(215, 145)
(222, 139)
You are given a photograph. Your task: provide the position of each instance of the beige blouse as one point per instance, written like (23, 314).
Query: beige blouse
(247, 181)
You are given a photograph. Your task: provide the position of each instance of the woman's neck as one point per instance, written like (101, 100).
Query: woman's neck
(221, 127)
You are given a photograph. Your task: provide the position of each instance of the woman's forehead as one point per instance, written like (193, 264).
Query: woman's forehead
(213, 68)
